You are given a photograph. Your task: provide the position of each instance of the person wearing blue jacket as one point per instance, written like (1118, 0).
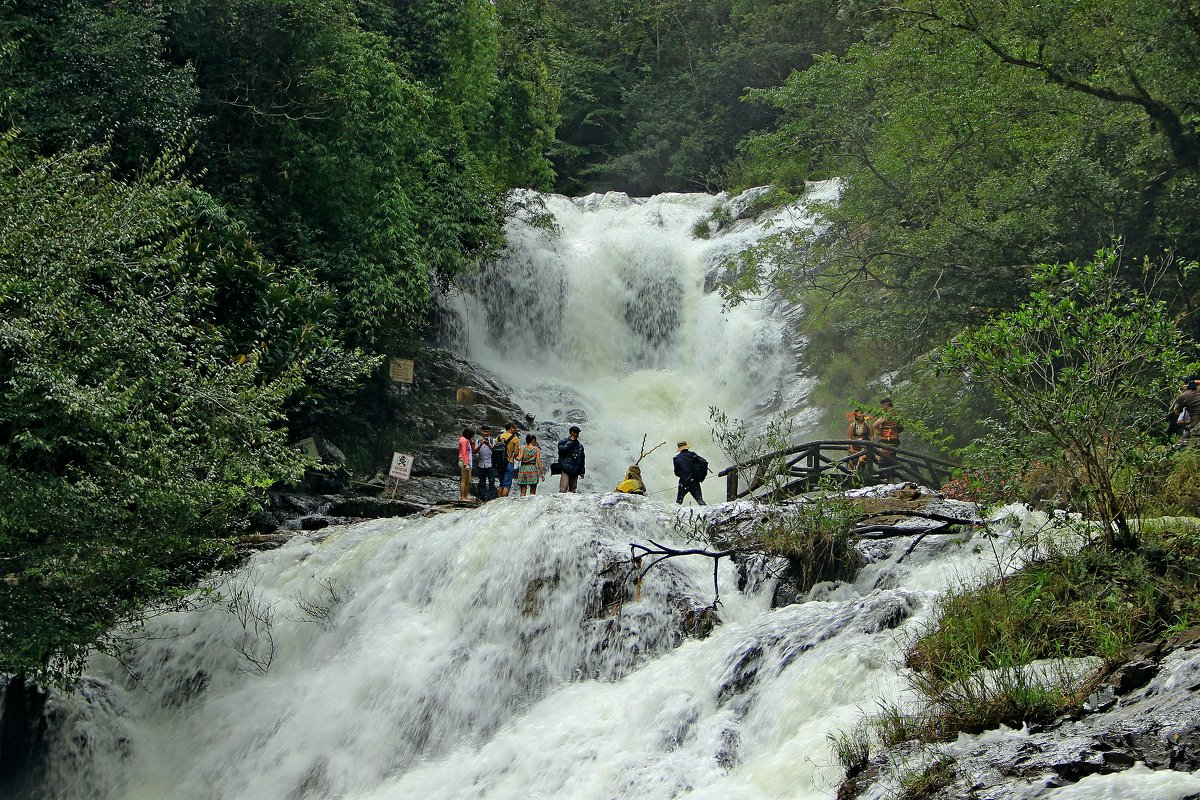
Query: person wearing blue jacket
(570, 461)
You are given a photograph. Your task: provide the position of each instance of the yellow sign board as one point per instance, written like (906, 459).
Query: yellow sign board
(309, 446)
(400, 370)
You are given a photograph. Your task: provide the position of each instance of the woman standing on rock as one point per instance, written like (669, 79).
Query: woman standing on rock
(466, 448)
(531, 472)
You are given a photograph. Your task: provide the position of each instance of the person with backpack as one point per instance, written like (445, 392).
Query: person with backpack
(484, 449)
(691, 469)
(505, 456)
(570, 461)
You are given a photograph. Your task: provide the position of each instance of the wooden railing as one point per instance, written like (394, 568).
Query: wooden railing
(801, 468)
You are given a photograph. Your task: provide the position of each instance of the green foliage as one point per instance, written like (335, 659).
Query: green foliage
(1177, 484)
(652, 90)
(741, 444)
(140, 421)
(159, 336)
(814, 535)
(1087, 364)
(976, 140)
(82, 74)
(333, 157)
(970, 668)
(927, 780)
(1094, 603)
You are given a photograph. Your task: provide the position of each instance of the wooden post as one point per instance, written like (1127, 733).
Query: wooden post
(731, 484)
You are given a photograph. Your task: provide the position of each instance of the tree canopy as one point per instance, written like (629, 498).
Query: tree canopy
(217, 216)
(975, 141)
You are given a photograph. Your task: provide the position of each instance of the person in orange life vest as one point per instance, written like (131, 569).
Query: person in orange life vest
(858, 430)
(887, 431)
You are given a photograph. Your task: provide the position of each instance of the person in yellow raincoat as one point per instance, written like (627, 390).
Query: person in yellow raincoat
(633, 483)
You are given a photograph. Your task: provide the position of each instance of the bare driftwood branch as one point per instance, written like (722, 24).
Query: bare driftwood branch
(640, 551)
(895, 531)
(643, 452)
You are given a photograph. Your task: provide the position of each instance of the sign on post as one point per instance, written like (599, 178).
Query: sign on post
(400, 370)
(309, 446)
(401, 467)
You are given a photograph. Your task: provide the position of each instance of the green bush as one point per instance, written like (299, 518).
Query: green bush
(139, 423)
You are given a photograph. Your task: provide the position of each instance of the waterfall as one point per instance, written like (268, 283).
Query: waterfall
(507, 652)
(604, 321)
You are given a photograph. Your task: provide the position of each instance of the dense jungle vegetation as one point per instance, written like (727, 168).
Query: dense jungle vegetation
(218, 216)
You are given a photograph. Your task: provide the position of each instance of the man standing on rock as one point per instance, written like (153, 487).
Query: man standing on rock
(570, 461)
(691, 469)
(505, 456)
(483, 464)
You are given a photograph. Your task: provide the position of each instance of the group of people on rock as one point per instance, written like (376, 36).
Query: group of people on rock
(500, 462)
(884, 429)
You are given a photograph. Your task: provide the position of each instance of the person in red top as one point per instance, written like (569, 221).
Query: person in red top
(465, 450)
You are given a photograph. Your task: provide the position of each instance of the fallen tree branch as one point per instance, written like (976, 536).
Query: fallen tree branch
(933, 515)
(640, 551)
(895, 531)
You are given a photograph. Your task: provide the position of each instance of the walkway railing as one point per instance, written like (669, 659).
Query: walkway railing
(804, 466)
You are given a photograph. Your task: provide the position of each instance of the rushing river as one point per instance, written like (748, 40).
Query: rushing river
(478, 654)
(504, 652)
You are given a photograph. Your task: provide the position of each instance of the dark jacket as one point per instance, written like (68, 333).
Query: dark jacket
(686, 467)
(571, 456)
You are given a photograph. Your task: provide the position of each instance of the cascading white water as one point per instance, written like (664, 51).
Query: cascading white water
(503, 652)
(486, 653)
(606, 323)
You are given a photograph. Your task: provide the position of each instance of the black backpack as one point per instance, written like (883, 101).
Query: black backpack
(699, 468)
(500, 451)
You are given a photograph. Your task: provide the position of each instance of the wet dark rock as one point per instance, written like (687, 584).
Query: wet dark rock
(742, 674)
(743, 205)
(1132, 675)
(888, 615)
(292, 504)
(23, 726)
(1104, 698)
(264, 521)
(330, 475)
(372, 507)
(699, 622)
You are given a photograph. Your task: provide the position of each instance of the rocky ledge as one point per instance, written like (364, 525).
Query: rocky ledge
(1145, 714)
